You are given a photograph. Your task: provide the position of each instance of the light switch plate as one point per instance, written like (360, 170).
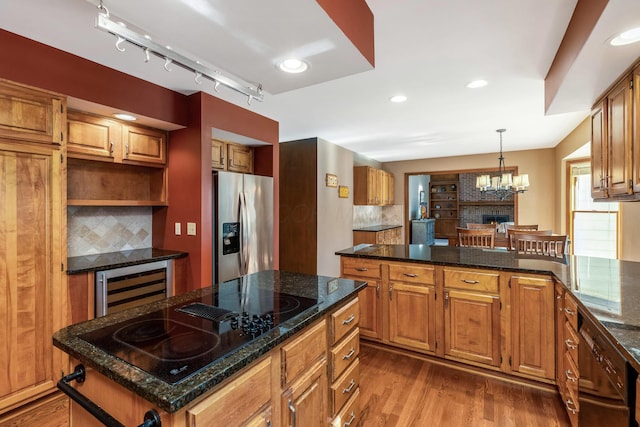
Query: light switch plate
(191, 228)
(178, 229)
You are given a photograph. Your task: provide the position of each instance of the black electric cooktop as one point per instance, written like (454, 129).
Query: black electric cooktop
(176, 342)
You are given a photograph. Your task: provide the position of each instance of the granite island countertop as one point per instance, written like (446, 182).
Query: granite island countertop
(607, 290)
(329, 292)
(106, 261)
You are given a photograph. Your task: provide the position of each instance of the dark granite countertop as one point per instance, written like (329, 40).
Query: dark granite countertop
(376, 228)
(106, 261)
(173, 397)
(607, 290)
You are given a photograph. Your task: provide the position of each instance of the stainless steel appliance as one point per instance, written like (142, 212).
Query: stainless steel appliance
(121, 288)
(174, 342)
(243, 231)
(606, 388)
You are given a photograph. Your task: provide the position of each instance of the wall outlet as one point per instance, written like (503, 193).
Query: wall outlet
(191, 228)
(178, 229)
(332, 286)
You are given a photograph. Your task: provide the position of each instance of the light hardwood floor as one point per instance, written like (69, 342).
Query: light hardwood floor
(402, 391)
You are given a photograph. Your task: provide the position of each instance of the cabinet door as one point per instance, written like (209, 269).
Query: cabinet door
(143, 145)
(619, 135)
(599, 151)
(370, 311)
(373, 196)
(31, 115)
(240, 158)
(304, 404)
(472, 326)
(560, 326)
(391, 190)
(636, 131)
(532, 326)
(92, 136)
(31, 292)
(412, 315)
(218, 153)
(383, 187)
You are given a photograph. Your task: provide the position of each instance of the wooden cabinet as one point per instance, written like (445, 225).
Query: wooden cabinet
(412, 306)
(472, 316)
(304, 378)
(636, 130)
(231, 157)
(252, 388)
(370, 321)
(103, 139)
(52, 411)
(115, 164)
(443, 205)
(33, 253)
(599, 162)
(532, 326)
(372, 186)
(31, 115)
(619, 134)
(567, 347)
(392, 236)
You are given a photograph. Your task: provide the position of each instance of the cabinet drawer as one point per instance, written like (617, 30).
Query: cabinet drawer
(571, 341)
(361, 268)
(298, 355)
(345, 387)
(412, 273)
(350, 414)
(570, 376)
(571, 311)
(344, 353)
(252, 388)
(344, 320)
(471, 280)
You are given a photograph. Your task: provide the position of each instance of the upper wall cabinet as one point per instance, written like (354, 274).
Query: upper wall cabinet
(230, 156)
(372, 186)
(614, 140)
(31, 115)
(98, 138)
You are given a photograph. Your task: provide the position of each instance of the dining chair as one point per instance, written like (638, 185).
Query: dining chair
(511, 232)
(521, 227)
(539, 244)
(474, 226)
(476, 238)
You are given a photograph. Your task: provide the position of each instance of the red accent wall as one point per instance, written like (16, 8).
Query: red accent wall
(190, 183)
(36, 64)
(355, 19)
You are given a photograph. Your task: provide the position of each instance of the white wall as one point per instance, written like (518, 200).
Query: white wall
(335, 215)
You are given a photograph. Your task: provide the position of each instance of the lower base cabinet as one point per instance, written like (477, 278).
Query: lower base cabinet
(305, 402)
(52, 411)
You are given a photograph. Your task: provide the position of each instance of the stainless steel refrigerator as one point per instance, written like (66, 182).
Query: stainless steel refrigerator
(243, 218)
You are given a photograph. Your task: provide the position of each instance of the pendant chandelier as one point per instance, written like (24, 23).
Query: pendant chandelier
(504, 184)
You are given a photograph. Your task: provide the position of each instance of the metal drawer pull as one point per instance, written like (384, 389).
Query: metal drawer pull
(349, 319)
(410, 275)
(292, 409)
(352, 384)
(470, 282)
(352, 419)
(390, 292)
(569, 376)
(362, 269)
(572, 409)
(570, 344)
(569, 311)
(350, 354)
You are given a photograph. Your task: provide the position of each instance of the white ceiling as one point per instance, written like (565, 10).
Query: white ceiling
(426, 49)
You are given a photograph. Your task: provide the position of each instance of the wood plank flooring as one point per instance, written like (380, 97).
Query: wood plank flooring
(398, 390)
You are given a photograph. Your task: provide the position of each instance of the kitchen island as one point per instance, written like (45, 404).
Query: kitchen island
(520, 315)
(323, 324)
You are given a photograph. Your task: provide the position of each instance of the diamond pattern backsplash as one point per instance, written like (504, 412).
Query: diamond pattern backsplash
(96, 229)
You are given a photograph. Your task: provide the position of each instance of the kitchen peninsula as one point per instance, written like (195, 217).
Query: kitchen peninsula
(308, 323)
(504, 313)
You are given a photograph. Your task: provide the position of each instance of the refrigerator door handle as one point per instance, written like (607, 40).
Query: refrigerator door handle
(244, 223)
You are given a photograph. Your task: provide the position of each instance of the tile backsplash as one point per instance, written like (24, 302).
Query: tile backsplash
(99, 229)
(368, 216)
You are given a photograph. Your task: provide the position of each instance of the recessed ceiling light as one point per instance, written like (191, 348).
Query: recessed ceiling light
(398, 98)
(627, 37)
(477, 83)
(293, 65)
(123, 116)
